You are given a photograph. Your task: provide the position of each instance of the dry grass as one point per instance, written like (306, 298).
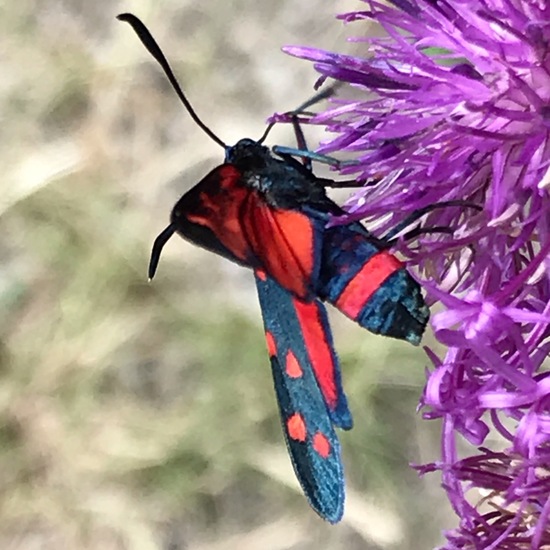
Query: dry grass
(137, 416)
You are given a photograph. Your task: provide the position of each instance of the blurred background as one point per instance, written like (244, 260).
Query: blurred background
(142, 416)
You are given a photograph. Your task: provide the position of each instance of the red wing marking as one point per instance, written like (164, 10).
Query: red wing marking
(283, 240)
(271, 345)
(262, 275)
(292, 367)
(321, 444)
(319, 350)
(218, 207)
(367, 281)
(296, 427)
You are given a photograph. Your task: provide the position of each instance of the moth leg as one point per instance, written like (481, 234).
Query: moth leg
(312, 155)
(417, 214)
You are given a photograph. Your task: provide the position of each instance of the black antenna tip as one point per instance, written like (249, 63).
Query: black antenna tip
(139, 28)
(127, 17)
(158, 245)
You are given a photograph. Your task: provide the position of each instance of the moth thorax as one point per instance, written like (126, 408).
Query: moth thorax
(254, 180)
(248, 155)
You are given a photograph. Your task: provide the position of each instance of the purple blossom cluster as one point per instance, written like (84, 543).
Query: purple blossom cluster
(453, 103)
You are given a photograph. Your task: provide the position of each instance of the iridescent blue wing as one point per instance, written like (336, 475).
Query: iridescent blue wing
(305, 372)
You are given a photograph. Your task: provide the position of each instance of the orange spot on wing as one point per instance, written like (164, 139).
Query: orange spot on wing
(321, 444)
(296, 427)
(271, 345)
(292, 366)
(367, 281)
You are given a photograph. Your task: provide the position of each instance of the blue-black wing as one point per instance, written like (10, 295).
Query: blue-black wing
(305, 371)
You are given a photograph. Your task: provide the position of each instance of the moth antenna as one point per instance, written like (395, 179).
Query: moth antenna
(153, 48)
(329, 91)
(158, 245)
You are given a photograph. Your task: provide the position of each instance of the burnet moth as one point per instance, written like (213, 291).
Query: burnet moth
(265, 210)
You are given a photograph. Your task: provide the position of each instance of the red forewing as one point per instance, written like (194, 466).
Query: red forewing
(216, 203)
(286, 242)
(223, 215)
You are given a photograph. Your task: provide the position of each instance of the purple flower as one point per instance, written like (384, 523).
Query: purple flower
(453, 103)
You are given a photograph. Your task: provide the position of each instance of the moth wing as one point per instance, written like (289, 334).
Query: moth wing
(306, 418)
(227, 217)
